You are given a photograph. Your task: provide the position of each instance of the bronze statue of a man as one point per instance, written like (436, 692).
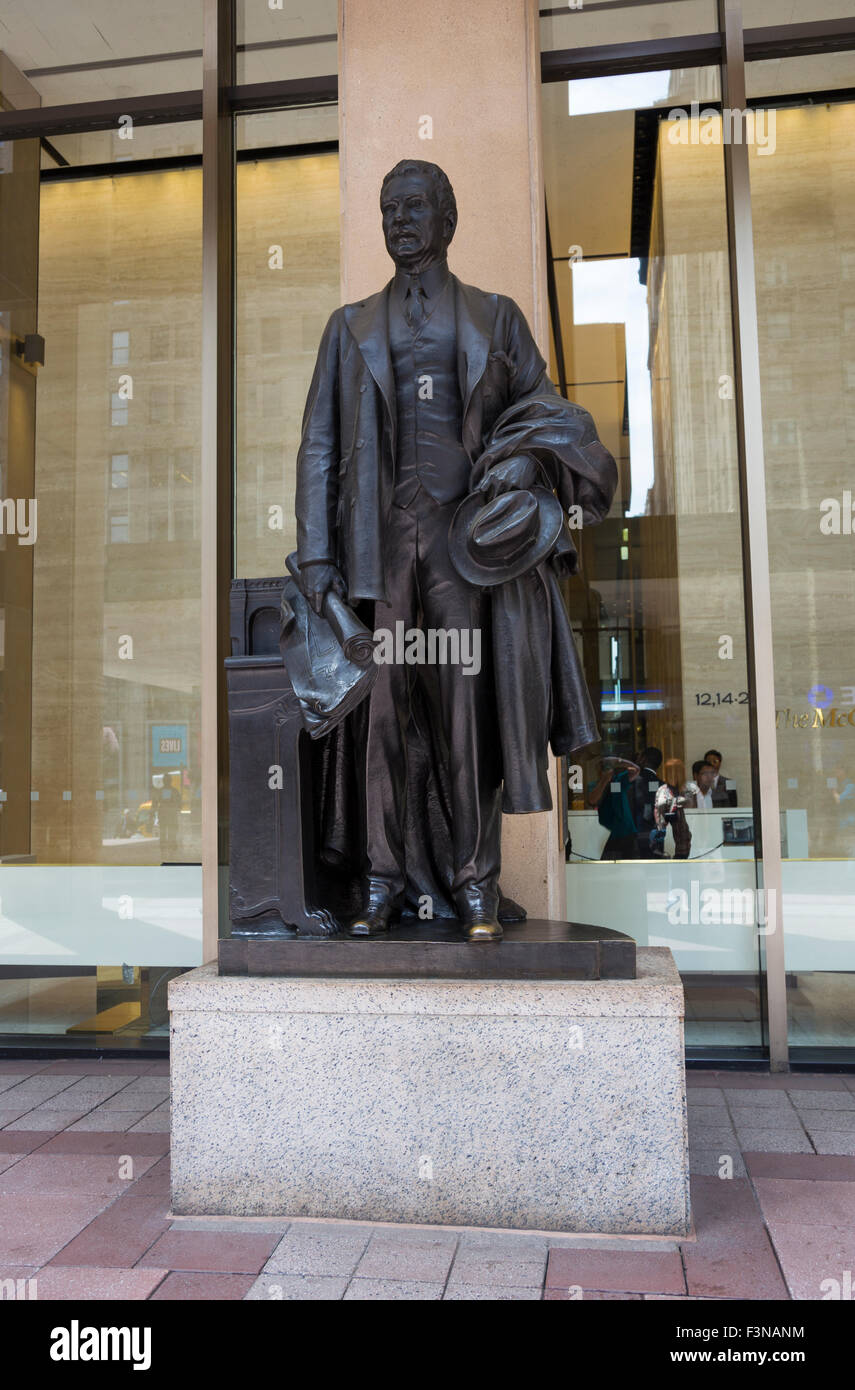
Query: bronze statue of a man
(434, 478)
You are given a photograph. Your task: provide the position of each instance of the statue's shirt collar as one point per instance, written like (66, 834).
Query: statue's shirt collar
(432, 281)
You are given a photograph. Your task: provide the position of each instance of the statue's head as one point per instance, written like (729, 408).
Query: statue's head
(419, 213)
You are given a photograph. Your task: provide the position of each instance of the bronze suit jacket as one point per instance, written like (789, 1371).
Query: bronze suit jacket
(345, 465)
(345, 477)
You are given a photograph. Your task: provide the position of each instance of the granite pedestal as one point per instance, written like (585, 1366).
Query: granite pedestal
(531, 1104)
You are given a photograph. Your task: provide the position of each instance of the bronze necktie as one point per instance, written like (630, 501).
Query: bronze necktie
(414, 309)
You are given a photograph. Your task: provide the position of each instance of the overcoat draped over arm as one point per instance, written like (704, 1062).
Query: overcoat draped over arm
(541, 696)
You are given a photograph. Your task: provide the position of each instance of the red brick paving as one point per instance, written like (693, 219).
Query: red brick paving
(815, 1258)
(69, 1220)
(120, 1236)
(22, 1141)
(118, 1067)
(820, 1202)
(204, 1287)
(33, 1227)
(564, 1296)
(733, 1256)
(830, 1168)
(214, 1251)
(764, 1081)
(72, 1284)
(101, 1174)
(156, 1181)
(605, 1271)
(102, 1142)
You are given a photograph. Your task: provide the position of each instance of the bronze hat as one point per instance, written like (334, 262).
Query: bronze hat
(490, 543)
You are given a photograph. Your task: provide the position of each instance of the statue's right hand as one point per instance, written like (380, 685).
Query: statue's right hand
(316, 582)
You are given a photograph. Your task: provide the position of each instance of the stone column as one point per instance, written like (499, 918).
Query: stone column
(458, 85)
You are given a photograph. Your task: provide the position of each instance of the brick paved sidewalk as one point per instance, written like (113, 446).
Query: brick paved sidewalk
(75, 1221)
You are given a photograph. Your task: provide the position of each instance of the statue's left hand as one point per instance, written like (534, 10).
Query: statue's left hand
(519, 471)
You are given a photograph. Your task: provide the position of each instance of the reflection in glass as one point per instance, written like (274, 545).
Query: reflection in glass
(84, 50)
(584, 23)
(803, 201)
(276, 43)
(100, 824)
(122, 145)
(287, 286)
(661, 837)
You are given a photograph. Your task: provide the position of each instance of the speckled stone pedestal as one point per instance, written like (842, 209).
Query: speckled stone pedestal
(532, 1104)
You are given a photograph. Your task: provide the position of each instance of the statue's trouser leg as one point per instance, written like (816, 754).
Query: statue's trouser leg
(467, 712)
(424, 588)
(384, 746)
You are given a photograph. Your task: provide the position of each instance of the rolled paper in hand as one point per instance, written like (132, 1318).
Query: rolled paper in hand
(357, 642)
(286, 614)
(354, 638)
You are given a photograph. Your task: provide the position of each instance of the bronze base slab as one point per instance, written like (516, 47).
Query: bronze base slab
(532, 950)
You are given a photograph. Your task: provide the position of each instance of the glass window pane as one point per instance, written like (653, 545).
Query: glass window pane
(99, 747)
(287, 286)
(102, 50)
(583, 23)
(786, 77)
(766, 14)
(803, 206)
(181, 142)
(286, 39)
(279, 132)
(119, 470)
(121, 348)
(638, 232)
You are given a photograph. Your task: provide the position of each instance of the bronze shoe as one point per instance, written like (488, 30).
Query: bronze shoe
(477, 912)
(376, 917)
(510, 911)
(487, 930)
(372, 922)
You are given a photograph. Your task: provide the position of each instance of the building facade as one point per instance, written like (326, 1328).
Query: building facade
(667, 191)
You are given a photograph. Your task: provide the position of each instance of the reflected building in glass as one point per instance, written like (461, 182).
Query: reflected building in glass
(130, 201)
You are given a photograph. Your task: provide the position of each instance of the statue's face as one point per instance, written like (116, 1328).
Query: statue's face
(416, 232)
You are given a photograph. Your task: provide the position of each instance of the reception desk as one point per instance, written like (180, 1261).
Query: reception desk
(657, 901)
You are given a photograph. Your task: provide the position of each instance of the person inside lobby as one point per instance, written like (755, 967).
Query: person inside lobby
(669, 809)
(614, 809)
(642, 796)
(723, 790)
(700, 788)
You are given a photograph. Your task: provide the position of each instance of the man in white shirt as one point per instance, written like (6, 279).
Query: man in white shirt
(700, 790)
